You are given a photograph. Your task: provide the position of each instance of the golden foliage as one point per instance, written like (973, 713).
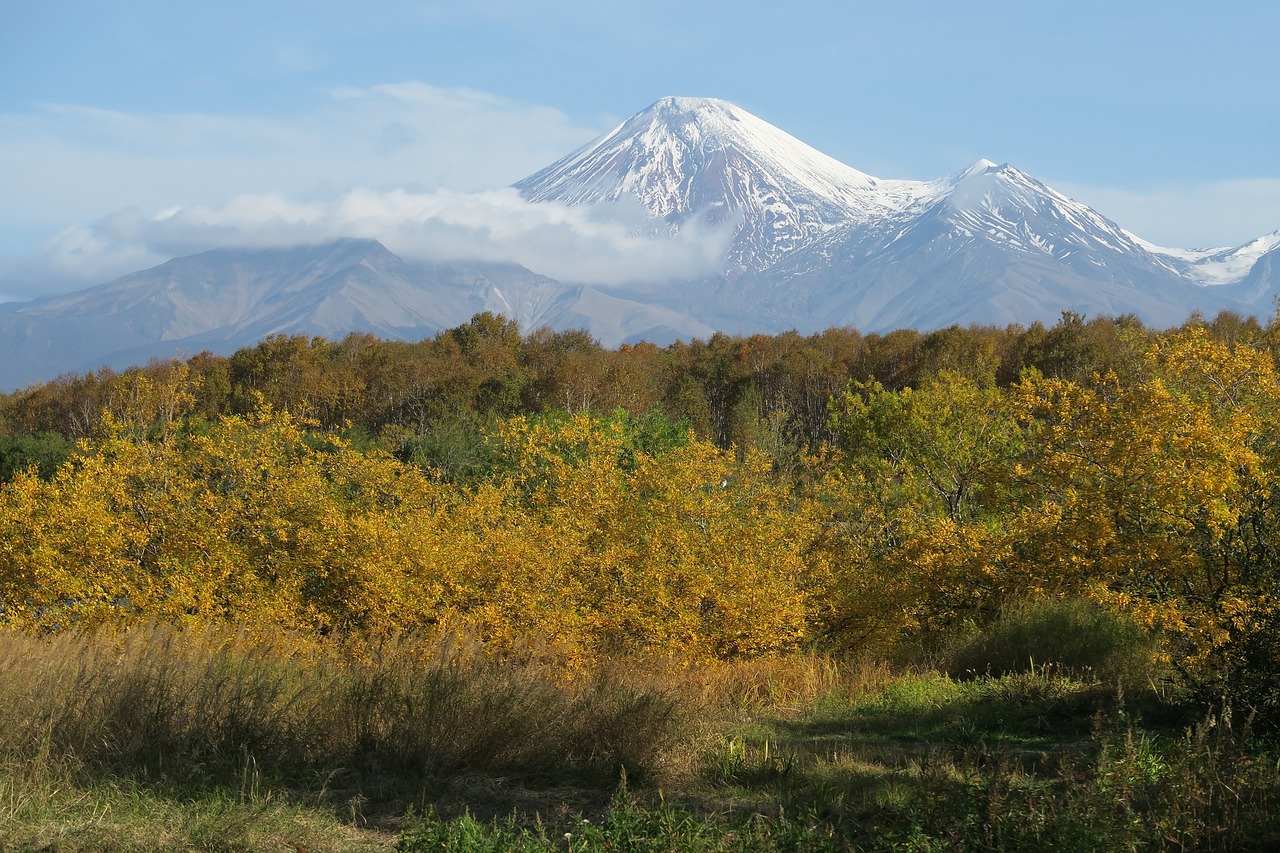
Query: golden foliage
(576, 548)
(1154, 493)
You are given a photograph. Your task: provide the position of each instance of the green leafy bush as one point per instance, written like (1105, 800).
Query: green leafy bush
(1070, 635)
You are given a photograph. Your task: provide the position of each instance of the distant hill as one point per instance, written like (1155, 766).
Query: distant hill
(815, 244)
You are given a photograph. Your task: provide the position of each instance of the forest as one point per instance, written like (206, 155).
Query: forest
(1039, 563)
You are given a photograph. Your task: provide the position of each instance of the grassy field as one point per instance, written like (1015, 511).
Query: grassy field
(209, 738)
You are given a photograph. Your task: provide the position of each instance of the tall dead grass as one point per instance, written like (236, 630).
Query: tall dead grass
(267, 717)
(181, 703)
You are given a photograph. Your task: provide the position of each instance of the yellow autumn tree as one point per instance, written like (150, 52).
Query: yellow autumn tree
(592, 547)
(1156, 494)
(922, 504)
(244, 518)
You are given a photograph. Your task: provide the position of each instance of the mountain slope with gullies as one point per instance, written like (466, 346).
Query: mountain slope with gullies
(819, 243)
(703, 159)
(804, 242)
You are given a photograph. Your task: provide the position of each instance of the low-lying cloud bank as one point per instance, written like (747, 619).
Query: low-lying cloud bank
(408, 164)
(608, 244)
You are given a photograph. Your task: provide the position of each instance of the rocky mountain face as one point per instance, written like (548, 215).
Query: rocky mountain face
(995, 247)
(815, 244)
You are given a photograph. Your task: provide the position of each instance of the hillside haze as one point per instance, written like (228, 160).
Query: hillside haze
(815, 243)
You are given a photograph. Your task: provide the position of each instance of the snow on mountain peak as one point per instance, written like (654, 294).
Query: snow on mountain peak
(686, 133)
(683, 157)
(699, 110)
(981, 167)
(706, 161)
(1012, 207)
(1263, 244)
(1221, 265)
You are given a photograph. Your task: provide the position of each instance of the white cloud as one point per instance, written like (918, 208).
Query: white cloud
(69, 163)
(223, 178)
(607, 244)
(1189, 216)
(77, 256)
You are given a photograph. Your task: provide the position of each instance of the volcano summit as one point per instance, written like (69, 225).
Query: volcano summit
(798, 241)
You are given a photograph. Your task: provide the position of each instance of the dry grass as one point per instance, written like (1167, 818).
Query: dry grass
(173, 702)
(209, 737)
(246, 720)
(237, 723)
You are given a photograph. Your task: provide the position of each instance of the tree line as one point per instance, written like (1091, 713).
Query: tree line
(735, 497)
(765, 391)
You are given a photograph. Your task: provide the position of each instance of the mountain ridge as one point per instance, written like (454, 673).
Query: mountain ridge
(226, 298)
(988, 243)
(816, 243)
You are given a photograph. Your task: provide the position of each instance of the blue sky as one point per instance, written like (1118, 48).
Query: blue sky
(133, 131)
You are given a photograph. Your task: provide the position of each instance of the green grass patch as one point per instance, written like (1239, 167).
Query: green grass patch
(54, 806)
(1031, 760)
(625, 826)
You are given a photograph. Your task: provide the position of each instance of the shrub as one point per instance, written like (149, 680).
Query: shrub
(1074, 636)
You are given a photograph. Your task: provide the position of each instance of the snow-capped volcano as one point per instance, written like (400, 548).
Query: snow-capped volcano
(699, 157)
(816, 244)
(819, 243)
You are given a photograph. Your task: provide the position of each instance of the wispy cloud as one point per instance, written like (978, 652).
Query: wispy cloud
(609, 244)
(71, 163)
(1189, 216)
(352, 158)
